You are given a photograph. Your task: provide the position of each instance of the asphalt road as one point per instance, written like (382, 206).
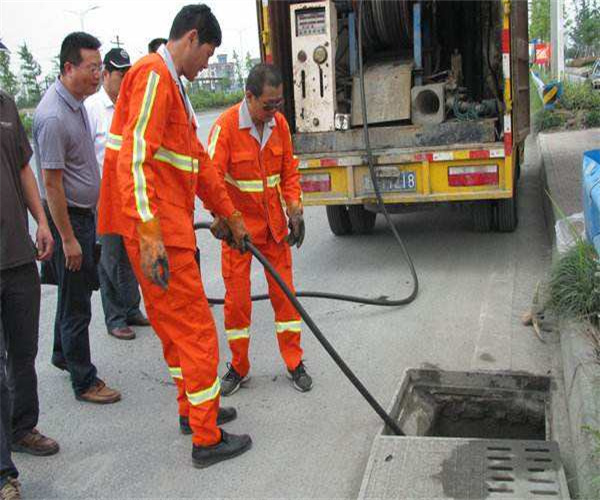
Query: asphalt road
(474, 288)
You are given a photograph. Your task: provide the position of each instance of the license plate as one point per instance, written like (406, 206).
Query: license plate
(401, 181)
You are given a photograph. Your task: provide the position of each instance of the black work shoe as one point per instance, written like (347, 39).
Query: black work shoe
(231, 445)
(301, 380)
(232, 381)
(226, 414)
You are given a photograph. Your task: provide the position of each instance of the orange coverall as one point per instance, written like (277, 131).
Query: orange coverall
(258, 174)
(154, 166)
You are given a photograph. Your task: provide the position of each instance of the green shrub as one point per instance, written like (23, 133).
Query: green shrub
(548, 119)
(27, 121)
(205, 99)
(577, 96)
(574, 289)
(591, 118)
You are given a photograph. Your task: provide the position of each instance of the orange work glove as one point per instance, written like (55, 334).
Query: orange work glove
(295, 224)
(153, 256)
(239, 233)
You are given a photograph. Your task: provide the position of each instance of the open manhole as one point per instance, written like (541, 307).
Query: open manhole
(469, 436)
(473, 405)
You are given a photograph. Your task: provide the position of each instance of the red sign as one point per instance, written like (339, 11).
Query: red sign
(542, 53)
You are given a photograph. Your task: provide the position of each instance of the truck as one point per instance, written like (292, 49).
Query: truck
(446, 90)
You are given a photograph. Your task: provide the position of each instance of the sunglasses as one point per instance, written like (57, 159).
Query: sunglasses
(272, 105)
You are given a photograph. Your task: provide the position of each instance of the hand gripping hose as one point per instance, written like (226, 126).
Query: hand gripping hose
(389, 421)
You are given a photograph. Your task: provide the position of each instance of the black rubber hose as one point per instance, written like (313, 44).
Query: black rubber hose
(389, 421)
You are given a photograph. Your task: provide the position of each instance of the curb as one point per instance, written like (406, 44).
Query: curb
(581, 372)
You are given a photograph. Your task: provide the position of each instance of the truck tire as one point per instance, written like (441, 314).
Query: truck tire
(362, 220)
(507, 213)
(339, 221)
(483, 216)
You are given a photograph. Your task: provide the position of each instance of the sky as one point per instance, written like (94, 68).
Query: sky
(43, 24)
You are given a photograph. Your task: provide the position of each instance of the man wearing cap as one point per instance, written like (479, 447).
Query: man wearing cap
(118, 286)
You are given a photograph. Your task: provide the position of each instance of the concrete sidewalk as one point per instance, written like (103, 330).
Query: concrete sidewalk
(562, 155)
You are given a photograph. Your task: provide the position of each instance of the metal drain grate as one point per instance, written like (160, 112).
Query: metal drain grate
(422, 467)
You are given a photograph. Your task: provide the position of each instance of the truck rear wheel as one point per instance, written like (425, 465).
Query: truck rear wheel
(483, 216)
(507, 213)
(339, 220)
(362, 220)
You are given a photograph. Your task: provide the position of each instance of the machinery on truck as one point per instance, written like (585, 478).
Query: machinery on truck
(447, 98)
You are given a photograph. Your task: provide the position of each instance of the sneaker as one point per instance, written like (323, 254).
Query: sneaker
(231, 445)
(232, 381)
(226, 414)
(36, 443)
(11, 490)
(100, 393)
(301, 380)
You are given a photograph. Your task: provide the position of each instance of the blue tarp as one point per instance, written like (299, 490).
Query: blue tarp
(591, 196)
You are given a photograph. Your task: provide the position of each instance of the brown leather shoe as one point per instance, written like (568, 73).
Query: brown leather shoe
(37, 444)
(100, 393)
(122, 333)
(138, 320)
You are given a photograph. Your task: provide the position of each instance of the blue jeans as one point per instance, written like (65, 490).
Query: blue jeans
(118, 285)
(7, 467)
(74, 307)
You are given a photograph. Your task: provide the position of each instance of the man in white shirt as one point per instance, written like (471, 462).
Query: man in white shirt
(118, 286)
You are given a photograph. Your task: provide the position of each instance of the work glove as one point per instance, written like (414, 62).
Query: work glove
(153, 256)
(295, 224)
(221, 231)
(239, 233)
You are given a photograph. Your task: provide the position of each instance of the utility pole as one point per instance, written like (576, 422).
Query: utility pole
(81, 14)
(117, 42)
(557, 30)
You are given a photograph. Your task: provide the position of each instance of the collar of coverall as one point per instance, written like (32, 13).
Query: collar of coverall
(245, 121)
(166, 55)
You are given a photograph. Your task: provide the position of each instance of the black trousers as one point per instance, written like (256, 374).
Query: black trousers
(7, 467)
(20, 299)
(74, 307)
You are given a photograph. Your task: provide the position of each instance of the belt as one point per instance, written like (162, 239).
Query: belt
(73, 210)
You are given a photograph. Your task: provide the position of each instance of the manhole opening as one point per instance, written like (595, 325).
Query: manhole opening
(473, 405)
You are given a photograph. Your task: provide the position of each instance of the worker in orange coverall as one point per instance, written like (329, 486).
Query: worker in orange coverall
(251, 144)
(154, 166)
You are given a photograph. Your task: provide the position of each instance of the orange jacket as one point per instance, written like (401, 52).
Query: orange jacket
(154, 163)
(257, 178)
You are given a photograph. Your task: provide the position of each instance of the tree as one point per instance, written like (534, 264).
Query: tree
(539, 21)
(239, 76)
(248, 63)
(30, 72)
(585, 31)
(8, 80)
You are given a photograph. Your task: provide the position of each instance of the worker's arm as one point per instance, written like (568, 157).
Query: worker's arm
(290, 188)
(228, 224)
(290, 177)
(52, 158)
(43, 237)
(147, 114)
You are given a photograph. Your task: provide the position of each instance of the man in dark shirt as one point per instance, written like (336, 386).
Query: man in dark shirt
(19, 296)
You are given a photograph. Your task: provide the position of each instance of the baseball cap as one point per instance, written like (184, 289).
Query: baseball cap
(117, 58)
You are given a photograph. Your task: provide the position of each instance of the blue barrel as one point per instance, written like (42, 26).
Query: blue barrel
(591, 196)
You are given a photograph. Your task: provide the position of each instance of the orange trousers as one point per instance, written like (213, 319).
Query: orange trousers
(183, 321)
(238, 306)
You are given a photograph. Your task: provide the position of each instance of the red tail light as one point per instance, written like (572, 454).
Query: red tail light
(476, 175)
(315, 183)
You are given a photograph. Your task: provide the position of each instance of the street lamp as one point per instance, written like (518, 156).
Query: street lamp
(81, 14)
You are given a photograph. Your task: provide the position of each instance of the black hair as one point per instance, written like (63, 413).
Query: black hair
(155, 44)
(261, 75)
(70, 50)
(110, 68)
(200, 18)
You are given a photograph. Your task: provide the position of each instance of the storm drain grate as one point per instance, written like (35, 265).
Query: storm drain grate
(421, 467)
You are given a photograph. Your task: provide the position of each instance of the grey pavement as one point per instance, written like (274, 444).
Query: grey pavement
(562, 155)
(474, 288)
